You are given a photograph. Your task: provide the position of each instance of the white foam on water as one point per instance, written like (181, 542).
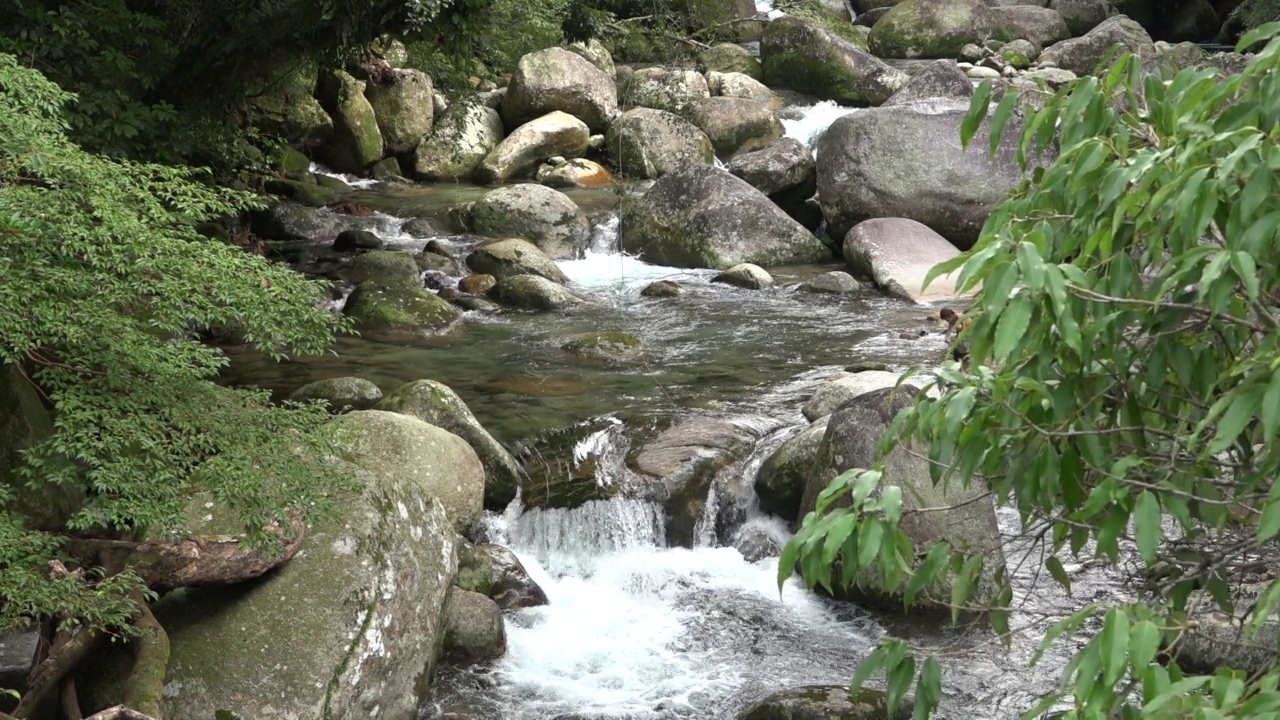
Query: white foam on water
(351, 180)
(766, 7)
(807, 123)
(604, 270)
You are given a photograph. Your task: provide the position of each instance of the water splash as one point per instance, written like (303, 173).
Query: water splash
(807, 123)
(351, 180)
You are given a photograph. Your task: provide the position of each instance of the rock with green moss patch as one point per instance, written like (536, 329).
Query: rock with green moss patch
(1082, 55)
(730, 57)
(376, 579)
(398, 311)
(284, 105)
(735, 124)
(609, 348)
(648, 143)
(291, 162)
(804, 56)
(556, 134)
(473, 627)
(294, 221)
(335, 184)
(701, 216)
(507, 258)
(388, 266)
(931, 29)
(534, 292)
(660, 88)
(558, 79)
(310, 194)
(341, 393)
(826, 702)
(402, 103)
(460, 140)
(357, 141)
(438, 404)
(1018, 53)
(544, 216)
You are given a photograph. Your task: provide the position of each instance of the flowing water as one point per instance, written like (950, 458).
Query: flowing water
(636, 630)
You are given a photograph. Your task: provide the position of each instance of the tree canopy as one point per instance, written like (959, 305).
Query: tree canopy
(1122, 388)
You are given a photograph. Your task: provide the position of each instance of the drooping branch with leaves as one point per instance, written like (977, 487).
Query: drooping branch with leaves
(1122, 388)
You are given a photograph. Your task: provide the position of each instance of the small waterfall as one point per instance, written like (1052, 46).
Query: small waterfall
(807, 123)
(732, 505)
(597, 527)
(354, 182)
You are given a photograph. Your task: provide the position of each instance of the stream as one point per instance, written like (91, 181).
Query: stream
(636, 630)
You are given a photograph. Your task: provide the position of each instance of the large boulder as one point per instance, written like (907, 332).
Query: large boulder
(534, 292)
(781, 166)
(648, 143)
(969, 524)
(734, 124)
(1081, 16)
(376, 580)
(1220, 639)
(295, 221)
(663, 89)
(729, 58)
(830, 395)
(340, 393)
(940, 78)
(897, 253)
(506, 258)
(556, 134)
(1082, 55)
(473, 627)
(558, 79)
(933, 28)
(597, 54)
(906, 161)
(825, 702)
(459, 141)
(357, 142)
(398, 311)
(438, 404)
(1041, 26)
(781, 479)
(401, 101)
(285, 105)
(388, 266)
(543, 216)
(738, 85)
(701, 216)
(804, 56)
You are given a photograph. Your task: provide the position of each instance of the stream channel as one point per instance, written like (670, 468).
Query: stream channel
(636, 630)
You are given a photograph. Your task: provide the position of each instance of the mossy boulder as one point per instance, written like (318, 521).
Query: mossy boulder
(781, 480)
(648, 143)
(558, 79)
(387, 266)
(311, 194)
(735, 124)
(805, 56)
(730, 57)
(285, 105)
(292, 162)
(1084, 54)
(402, 104)
(701, 216)
(784, 165)
(397, 311)
(544, 216)
(341, 393)
(376, 580)
(662, 289)
(932, 29)
(607, 348)
(507, 258)
(357, 141)
(534, 292)
(475, 571)
(473, 627)
(438, 404)
(1019, 54)
(287, 220)
(597, 54)
(556, 134)
(460, 140)
(670, 89)
(737, 85)
(826, 702)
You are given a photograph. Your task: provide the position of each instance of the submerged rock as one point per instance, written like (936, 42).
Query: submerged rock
(459, 141)
(555, 134)
(1082, 55)
(662, 289)
(648, 143)
(610, 348)
(825, 702)
(835, 282)
(534, 292)
(558, 79)
(508, 258)
(897, 254)
(543, 216)
(473, 627)
(438, 404)
(781, 480)
(342, 394)
(804, 56)
(745, 275)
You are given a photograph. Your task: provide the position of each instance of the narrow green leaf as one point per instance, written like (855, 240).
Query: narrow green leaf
(928, 689)
(1146, 525)
(1257, 35)
(899, 683)
(1000, 118)
(978, 106)
(870, 534)
(1059, 573)
(1234, 421)
(1114, 647)
(873, 664)
(1144, 642)
(839, 531)
(1175, 690)
(1012, 327)
(891, 503)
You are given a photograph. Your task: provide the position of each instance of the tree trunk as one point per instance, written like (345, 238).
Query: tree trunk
(150, 661)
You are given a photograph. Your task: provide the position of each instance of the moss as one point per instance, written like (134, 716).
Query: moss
(475, 570)
(396, 311)
(304, 193)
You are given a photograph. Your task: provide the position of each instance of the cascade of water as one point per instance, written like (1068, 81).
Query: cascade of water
(597, 527)
(354, 182)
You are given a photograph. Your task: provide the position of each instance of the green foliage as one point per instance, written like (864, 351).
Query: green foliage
(105, 284)
(486, 38)
(1123, 383)
(1256, 13)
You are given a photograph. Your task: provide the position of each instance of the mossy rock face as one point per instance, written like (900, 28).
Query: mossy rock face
(648, 143)
(508, 258)
(704, 217)
(608, 348)
(291, 162)
(1019, 54)
(804, 56)
(475, 571)
(826, 702)
(341, 394)
(730, 57)
(459, 141)
(288, 108)
(310, 194)
(376, 580)
(661, 88)
(403, 107)
(534, 292)
(387, 266)
(391, 311)
(438, 404)
(352, 240)
(473, 629)
(357, 141)
(930, 29)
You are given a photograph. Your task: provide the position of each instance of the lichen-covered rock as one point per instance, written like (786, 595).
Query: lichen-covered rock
(931, 29)
(663, 89)
(940, 78)
(511, 586)
(738, 85)
(804, 56)
(734, 124)
(648, 143)
(357, 142)
(781, 479)
(730, 58)
(388, 266)
(376, 580)
(555, 134)
(1039, 25)
(403, 107)
(438, 404)
(397, 311)
(1081, 16)
(341, 394)
(597, 54)
(825, 702)
(851, 441)
(576, 173)
(906, 161)
(1082, 55)
(543, 216)
(459, 141)
(473, 627)
(745, 275)
(835, 282)
(534, 292)
(897, 254)
(609, 348)
(784, 165)
(701, 216)
(507, 258)
(558, 79)
(832, 394)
